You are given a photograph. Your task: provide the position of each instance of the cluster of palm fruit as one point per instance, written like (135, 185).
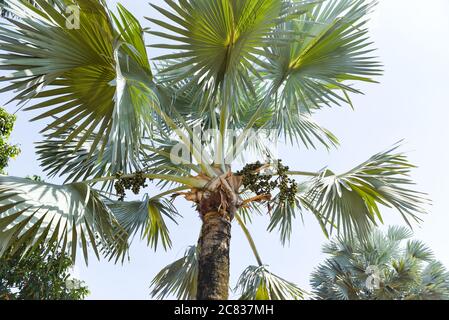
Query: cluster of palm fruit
(264, 183)
(133, 183)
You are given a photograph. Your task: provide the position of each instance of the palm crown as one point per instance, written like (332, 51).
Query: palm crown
(386, 266)
(234, 69)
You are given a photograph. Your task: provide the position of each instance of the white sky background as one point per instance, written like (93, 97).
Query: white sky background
(410, 103)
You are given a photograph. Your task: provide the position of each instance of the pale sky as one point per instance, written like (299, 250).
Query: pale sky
(409, 103)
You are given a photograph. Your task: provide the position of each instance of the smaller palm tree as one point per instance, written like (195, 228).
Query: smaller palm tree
(385, 266)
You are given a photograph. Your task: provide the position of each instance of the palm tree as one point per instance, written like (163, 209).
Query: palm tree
(236, 69)
(381, 267)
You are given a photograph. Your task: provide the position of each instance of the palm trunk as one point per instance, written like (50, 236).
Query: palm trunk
(214, 244)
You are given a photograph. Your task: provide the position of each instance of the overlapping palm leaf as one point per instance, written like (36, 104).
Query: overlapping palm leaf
(405, 269)
(351, 200)
(178, 278)
(219, 44)
(35, 213)
(147, 218)
(258, 283)
(321, 55)
(216, 38)
(94, 78)
(350, 203)
(331, 46)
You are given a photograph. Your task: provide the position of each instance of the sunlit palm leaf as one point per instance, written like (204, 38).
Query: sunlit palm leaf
(331, 48)
(219, 44)
(216, 37)
(282, 217)
(257, 283)
(71, 159)
(91, 77)
(36, 213)
(403, 272)
(351, 200)
(179, 278)
(435, 283)
(147, 218)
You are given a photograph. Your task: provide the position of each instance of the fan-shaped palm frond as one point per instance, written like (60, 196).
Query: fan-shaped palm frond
(349, 203)
(217, 38)
(258, 283)
(434, 284)
(330, 47)
(91, 77)
(75, 160)
(35, 213)
(418, 250)
(282, 217)
(351, 200)
(146, 217)
(380, 267)
(178, 278)
(295, 127)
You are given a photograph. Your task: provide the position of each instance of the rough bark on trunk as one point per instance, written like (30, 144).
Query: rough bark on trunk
(214, 244)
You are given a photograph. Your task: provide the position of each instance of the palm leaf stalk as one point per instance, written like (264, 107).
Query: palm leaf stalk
(233, 69)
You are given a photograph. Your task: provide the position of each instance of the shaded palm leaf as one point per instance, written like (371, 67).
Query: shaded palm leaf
(295, 127)
(179, 278)
(35, 213)
(216, 38)
(400, 272)
(91, 77)
(147, 218)
(282, 217)
(257, 283)
(71, 159)
(435, 283)
(330, 47)
(351, 200)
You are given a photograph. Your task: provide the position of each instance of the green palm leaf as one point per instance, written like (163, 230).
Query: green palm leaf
(73, 160)
(35, 213)
(351, 200)
(257, 283)
(330, 48)
(216, 38)
(178, 278)
(282, 217)
(91, 78)
(350, 203)
(402, 272)
(146, 217)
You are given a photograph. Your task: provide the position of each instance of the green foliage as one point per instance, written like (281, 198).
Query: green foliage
(258, 283)
(39, 276)
(385, 266)
(30, 214)
(349, 203)
(246, 65)
(178, 278)
(7, 151)
(146, 217)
